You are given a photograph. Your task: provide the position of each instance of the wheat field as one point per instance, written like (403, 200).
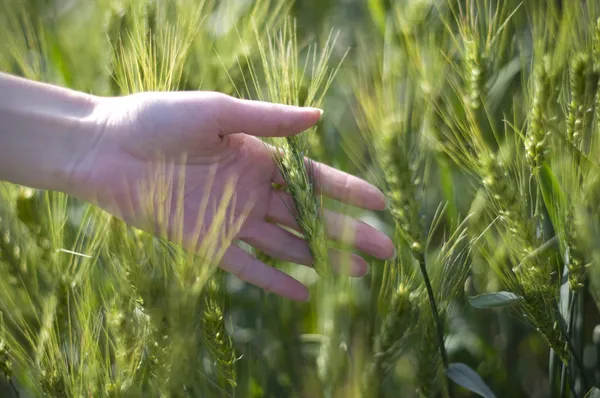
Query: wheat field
(478, 119)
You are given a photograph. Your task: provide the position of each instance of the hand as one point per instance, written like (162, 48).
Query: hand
(210, 137)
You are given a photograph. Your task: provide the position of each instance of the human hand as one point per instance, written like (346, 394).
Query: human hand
(209, 137)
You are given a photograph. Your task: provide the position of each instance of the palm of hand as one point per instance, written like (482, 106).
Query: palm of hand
(199, 142)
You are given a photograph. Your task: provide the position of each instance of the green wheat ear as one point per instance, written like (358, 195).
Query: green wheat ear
(289, 81)
(216, 336)
(393, 339)
(5, 362)
(580, 68)
(150, 54)
(536, 141)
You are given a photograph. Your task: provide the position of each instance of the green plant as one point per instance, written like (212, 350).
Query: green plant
(478, 119)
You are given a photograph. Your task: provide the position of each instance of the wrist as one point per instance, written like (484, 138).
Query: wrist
(80, 135)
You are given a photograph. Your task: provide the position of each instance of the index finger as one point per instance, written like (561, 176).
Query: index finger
(341, 186)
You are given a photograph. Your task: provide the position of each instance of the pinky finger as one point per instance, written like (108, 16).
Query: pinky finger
(246, 267)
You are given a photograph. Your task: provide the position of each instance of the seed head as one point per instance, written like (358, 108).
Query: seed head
(577, 106)
(537, 133)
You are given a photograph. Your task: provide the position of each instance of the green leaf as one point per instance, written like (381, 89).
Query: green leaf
(466, 377)
(447, 184)
(593, 393)
(553, 195)
(495, 300)
(378, 13)
(503, 81)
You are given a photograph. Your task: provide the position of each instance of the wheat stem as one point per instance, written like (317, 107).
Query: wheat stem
(564, 367)
(436, 317)
(552, 368)
(14, 388)
(578, 326)
(574, 354)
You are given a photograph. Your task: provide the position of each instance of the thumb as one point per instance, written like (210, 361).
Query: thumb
(264, 119)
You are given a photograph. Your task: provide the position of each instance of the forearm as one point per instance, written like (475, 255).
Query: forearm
(43, 129)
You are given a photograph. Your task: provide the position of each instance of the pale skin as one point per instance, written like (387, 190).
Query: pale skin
(97, 148)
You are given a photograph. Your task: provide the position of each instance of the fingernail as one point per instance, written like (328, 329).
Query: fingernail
(318, 110)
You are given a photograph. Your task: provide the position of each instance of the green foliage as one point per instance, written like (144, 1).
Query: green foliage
(478, 119)
(494, 300)
(468, 378)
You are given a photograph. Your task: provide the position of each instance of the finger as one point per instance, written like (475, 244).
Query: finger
(341, 186)
(349, 264)
(283, 245)
(279, 243)
(339, 227)
(263, 119)
(246, 267)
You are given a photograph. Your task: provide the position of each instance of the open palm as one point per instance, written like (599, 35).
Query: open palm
(204, 139)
